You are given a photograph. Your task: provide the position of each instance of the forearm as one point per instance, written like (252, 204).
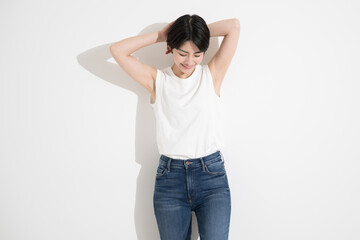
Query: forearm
(129, 45)
(223, 27)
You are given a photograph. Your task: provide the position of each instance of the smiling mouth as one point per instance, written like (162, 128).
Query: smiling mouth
(187, 67)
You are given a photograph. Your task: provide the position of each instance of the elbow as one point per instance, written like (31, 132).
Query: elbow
(115, 50)
(236, 23)
(117, 53)
(112, 48)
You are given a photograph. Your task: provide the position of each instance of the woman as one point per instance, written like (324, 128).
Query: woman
(185, 97)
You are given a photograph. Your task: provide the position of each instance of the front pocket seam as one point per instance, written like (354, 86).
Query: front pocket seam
(162, 173)
(214, 173)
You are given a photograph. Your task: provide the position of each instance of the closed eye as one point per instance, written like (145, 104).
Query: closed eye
(185, 55)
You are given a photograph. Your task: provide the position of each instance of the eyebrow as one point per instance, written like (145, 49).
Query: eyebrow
(188, 52)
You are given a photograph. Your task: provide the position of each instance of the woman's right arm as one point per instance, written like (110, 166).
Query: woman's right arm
(141, 72)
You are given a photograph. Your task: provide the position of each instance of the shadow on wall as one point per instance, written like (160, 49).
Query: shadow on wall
(146, 152)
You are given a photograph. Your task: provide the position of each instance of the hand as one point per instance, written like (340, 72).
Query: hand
(162, 37)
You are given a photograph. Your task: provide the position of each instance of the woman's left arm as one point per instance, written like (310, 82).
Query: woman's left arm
(230, 29)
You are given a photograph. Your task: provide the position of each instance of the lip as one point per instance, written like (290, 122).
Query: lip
(189, 67)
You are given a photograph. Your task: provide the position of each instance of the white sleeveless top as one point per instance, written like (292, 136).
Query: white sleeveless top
(188, 114)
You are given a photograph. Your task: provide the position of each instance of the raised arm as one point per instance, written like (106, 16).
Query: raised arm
(141, 72)
(218, 65)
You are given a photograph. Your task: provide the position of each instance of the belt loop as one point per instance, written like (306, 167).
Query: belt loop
(222, 158)
(203, 165)
(168, 166)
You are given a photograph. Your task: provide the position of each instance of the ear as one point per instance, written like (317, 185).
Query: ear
(168, 50)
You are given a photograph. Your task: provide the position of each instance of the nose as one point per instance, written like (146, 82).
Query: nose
(190, 60)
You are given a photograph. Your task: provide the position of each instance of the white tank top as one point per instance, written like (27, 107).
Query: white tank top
(188, 114)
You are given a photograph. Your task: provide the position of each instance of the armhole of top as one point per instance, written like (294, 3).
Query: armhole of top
(212, 82)
(157, 79)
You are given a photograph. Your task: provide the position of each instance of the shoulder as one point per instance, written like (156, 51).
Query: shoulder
(162, 73)
(158, 77)
(206, 68)
(209, 68)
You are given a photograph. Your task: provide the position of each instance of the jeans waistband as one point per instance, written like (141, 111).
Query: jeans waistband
(192, 162)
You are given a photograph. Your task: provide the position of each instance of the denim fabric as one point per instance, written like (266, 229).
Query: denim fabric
(199, 185)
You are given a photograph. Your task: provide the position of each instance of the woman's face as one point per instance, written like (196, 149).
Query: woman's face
(186, 57)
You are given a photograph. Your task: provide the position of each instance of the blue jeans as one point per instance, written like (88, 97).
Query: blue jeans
(199, 185)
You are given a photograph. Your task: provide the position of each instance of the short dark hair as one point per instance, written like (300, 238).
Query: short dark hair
(189, 27)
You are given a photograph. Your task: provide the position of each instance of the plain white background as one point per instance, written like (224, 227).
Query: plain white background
(77, 135)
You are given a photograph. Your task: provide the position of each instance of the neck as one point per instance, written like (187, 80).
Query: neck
(181, 74)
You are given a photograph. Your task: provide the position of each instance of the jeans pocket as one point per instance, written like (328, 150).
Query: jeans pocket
(215, 168)
(161, 169)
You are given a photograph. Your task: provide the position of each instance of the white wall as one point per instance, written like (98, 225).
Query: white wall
(77, 135)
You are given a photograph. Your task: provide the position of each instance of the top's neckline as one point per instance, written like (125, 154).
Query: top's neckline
(191, 76)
